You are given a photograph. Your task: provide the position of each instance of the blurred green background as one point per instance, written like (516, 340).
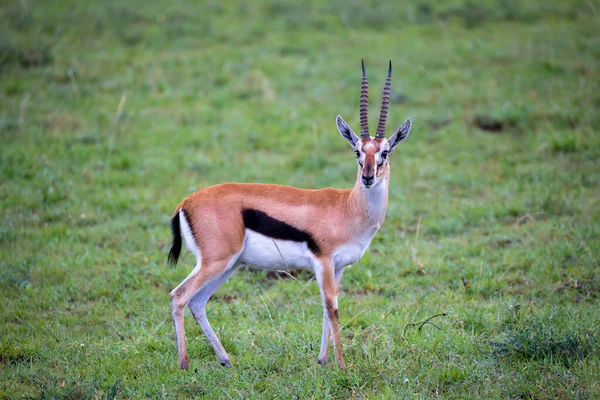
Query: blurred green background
(111, 112)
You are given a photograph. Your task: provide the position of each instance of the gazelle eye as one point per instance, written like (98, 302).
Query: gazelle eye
(384, 154)
(357, 153)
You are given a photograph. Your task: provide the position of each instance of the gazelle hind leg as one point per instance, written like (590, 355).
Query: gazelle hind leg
(178, 302)
(181, 296)
(326, 333)
(198, 308)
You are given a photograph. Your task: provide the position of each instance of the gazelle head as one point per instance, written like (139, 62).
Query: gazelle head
(372, 153)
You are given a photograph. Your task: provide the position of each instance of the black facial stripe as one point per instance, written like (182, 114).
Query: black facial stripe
(264, 224)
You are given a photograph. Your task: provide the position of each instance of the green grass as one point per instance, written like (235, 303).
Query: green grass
(112, 112)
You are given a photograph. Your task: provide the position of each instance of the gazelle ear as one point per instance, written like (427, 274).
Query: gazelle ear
(346, 131)
(400, 135)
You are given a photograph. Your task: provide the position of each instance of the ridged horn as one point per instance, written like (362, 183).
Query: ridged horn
(364, 105)
(384, 104)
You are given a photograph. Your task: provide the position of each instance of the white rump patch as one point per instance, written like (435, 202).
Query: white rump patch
(186, 232)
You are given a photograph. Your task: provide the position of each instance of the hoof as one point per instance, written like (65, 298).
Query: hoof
(226, 363)
(322, 361)
(341, 364)
(184, 364)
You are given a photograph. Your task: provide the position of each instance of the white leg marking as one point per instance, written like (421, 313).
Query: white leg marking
(318, 268)
(324, 339)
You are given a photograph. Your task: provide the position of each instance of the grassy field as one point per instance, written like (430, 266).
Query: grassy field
(111, 112)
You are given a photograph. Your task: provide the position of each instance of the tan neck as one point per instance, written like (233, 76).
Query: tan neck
(369, 205)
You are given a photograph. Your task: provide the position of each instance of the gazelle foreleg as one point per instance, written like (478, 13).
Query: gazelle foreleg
(324, 273)
(326, 334)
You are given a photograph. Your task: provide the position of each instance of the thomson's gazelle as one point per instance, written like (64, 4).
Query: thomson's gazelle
(271, 227)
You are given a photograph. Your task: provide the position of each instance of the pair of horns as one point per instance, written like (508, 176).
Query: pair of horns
(364, 104)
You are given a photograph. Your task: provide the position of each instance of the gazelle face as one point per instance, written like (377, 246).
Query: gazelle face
(372, 154)
(372, 157)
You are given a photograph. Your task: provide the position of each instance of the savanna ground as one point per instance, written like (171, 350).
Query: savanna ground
(111, 112)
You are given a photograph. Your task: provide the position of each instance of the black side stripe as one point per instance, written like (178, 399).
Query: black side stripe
(264, 224)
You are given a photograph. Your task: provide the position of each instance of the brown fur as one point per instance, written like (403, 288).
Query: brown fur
(331, 216)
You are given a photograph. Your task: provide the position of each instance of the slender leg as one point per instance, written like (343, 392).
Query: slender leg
(326, 280)
(181, 296)
(324, 339)
(198, 308)
(325, 335)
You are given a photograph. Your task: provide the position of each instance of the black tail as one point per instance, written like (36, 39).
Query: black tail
(176, 247)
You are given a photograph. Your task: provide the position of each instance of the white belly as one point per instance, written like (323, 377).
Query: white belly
(262, 252)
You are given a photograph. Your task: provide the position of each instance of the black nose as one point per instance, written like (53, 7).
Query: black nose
(368, 180)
